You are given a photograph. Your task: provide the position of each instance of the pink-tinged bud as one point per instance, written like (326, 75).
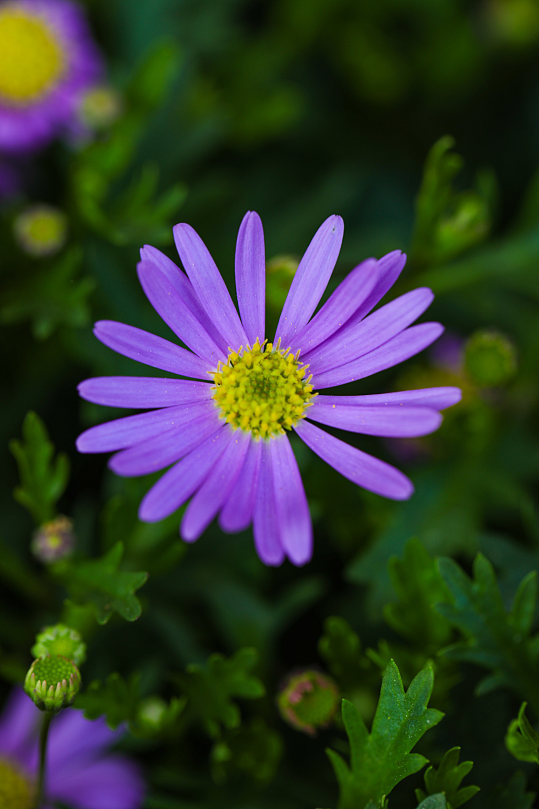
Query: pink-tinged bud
(309, 701)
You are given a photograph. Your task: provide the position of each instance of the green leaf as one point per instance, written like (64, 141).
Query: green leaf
(379, 760)
(211, 688)
(418, 586)
(449, 221)
(513, 794)
(434, 802)
(43, 476)
(115, 698)
(340, 647)
(447, 778)
(521, 739)
(99, 582)
(492, 637)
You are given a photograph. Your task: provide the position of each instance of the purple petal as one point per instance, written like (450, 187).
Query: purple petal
(375, 330)
(251, 276)
(311, 279)
(436, 398)
(113, 782)
(184, 288)
(391, 422)
(265, 520)
(215, 489)
(208, 284)
(143, 391)
(72, 738)
(17, 725)
(176, 313)
(389, 267)
(168, 447)
(151, 350)
(339, 307)
(130, 430)
(183, 479)
(237, 511)
(400, 348)
(364, 470)
(295, 528)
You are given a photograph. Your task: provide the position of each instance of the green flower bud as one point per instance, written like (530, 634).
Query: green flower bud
(309, 701)
(490, 359)
(41, 230)
(53, 540)
(52, 682)
(60, 641)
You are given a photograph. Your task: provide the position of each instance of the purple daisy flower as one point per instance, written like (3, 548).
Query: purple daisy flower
(80, 771)
(225, 437)
(48, 60)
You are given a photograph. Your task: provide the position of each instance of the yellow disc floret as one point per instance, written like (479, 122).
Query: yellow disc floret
(16, 791)
(262, 389)
(32, 59)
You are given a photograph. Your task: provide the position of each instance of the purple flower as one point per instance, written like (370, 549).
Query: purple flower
(225, 437)
(80, 771)
(48, 60)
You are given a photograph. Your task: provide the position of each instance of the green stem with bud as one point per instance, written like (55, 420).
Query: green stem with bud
(43, 739)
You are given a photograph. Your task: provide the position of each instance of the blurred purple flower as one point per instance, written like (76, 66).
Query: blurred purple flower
(80, 771)
(48, 60)
(226, 435)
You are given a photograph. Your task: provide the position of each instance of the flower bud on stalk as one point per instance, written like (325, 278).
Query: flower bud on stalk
(60, 641)
(52, 682)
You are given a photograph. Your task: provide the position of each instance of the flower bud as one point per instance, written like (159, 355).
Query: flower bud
(54, 540)
(309, 701)
(60, 641)
(41, 230)
(490, 358)
(52, 682)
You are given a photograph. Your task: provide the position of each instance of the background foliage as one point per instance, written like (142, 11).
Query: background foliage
(418, 123)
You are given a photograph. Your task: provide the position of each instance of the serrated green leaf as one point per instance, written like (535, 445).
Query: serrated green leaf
(115, 698)
(43, 476)
(522, 740)
(379, 760)
(492, 637)
(341, 648)
(447, 778)
(102, 584)
(418, 586)
(434, 802)
(211, 688)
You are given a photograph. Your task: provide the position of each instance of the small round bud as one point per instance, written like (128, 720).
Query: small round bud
(309, 701)
(490, 359)
(100, 106)
(60, 641)
(41, 230)
(152, 713)
(52, 682)
(54, 540)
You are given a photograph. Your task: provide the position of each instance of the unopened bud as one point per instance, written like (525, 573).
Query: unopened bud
(309, 701)
(52, 682)
(490, 358)
(60, 641)
(41, 230)
(53, 540)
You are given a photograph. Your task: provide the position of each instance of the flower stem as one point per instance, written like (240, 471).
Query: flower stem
(43, 738)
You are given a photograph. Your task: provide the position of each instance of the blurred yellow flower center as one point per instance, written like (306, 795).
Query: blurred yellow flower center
(41, 230)
(262, 389)
(31, 59)
(16, 791)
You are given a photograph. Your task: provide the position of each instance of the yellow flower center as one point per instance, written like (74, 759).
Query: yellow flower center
(262, 389)
(31, 60)
(16, 791)
(41, 230)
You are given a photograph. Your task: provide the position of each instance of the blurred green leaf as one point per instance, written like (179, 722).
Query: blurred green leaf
(418, 586)
(253, 750)
(493, 637)
(447, 778)
(379, 760)
(341, 649)
(211, 688)
(99, 582)
(521, 739)
(43, 476)
(116, 698)
(434, 802)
